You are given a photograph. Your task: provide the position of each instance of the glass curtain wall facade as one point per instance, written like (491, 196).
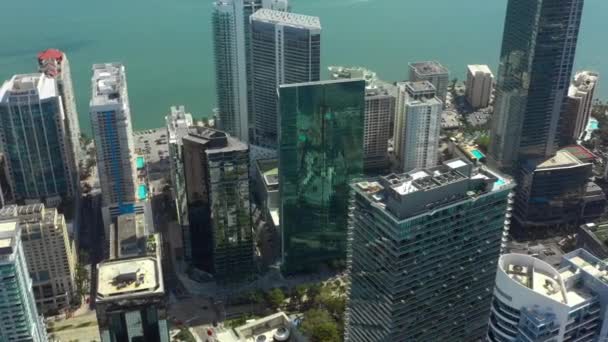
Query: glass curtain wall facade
(320, 153)
(19, 320)
(422, 253)
(34, 138)
(538, 49)
(217, 185)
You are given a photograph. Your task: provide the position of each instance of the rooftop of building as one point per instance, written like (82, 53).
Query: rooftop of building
(599, 230)
(583, 81)
(50, 54)
(374, 86)
(422, 190)
(107, 85)
(420, 87)
(215, 140)
(50, 62)
(178, 120)
(28, 84)
(581, 153)
(287, 19)
(9, 231)
(130, 236)
(564, 158)
(482, 68)
(29, 213)
(429, 68)
(269, 169)
(566, 284)
(124, 278)
(276, 327)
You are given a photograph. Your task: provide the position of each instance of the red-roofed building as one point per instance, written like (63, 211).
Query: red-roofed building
(54, 63)
(581, 153)
(50, 61)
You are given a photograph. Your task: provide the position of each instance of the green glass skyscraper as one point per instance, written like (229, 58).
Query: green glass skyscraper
(320, 153)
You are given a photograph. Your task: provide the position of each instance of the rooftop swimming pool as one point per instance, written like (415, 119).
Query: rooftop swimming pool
(477, 154)
(142, 192)
(593, 124)
(140, 162)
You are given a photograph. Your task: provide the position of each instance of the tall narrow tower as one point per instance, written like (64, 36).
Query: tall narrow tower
(113, 134)
(19, 319)
(536, 61)
(54, 63)
(35, 139)
(417, 125)
(285, 49)
(231, 42)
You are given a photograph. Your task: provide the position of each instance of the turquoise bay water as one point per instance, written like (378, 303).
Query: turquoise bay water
(166, 44)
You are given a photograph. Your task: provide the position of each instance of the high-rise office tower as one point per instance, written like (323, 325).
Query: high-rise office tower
(131, 302)
(231, 42)
(178, 121)
(6, 191)
(538, 49)
(35, 139)
(54, 64)
(19, 320)
(379, 113)
(579, 103)
(533, 301)
(417, 125)
(422, 253)
(285, 49)
(49, 254)
(480, 83)
(113, 135)
(320, 153)
(216, 168)
(433, 72)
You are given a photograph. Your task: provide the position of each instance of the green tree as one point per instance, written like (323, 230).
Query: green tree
(484, 142)
(82, 280)
(319, 326)
(275, 298)
(314, 290)
(301, 290)
(331, 301)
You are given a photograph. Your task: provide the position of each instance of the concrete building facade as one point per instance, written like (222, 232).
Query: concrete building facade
(417, 125)
(285, 49)
(380, 100)
(35, 139)
(433, 72)
(480, 83)
(51, 260)
(19, 319)
(579, 103)
(422, 253)
(534, 301)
